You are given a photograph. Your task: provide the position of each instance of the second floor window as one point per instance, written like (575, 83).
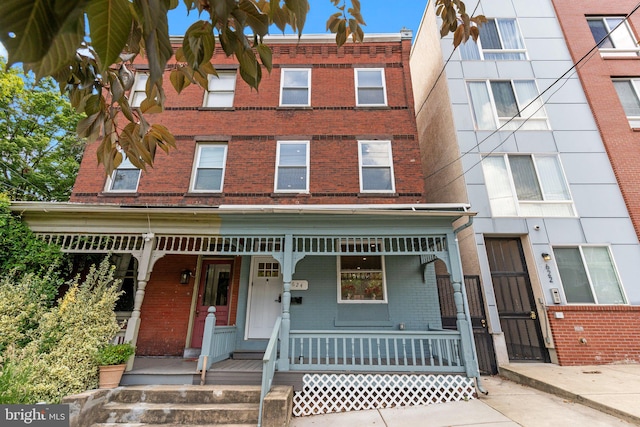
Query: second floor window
(370, 87)
(507, 104)
(376, 166)
(295, 87)
(499, 39)
(588, 275)
(628, 90)
(221, 89)
(614, 35)
(209, 168)
(292, 166)
(527, 185)
(125, 178)
(138, 90)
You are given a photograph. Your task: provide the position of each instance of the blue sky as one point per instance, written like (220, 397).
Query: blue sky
(381, 16)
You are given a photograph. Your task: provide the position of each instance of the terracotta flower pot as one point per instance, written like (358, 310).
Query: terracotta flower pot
(110, 375)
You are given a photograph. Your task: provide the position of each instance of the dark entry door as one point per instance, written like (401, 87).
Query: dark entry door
(483, 339)
(515, 301)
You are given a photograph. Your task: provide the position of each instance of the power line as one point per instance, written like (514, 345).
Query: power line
(573, 68)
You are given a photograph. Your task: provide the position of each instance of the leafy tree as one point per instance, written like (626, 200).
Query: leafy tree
(86, 46)
(21, 252)
(39, 150)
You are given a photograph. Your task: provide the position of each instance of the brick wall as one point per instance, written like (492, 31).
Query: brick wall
(594, 335)
(333, 125)
(164, 316)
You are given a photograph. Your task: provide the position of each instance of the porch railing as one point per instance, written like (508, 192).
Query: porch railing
(218, 342)
(400, 351)
(269, 364)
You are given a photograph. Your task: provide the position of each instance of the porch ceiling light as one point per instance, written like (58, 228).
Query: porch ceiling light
(185, 276)
(546, 256)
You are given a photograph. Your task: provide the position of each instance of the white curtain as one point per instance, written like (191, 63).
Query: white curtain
(603, 276)
(551, 178)
(628, 97)
(499, 186)
(481, 103)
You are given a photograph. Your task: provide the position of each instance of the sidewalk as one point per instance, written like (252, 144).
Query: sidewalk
(614, 389)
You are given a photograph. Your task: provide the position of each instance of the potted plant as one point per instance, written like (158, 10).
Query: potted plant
(112, 360)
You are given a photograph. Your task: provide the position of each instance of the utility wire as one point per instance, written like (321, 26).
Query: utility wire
(571, 70)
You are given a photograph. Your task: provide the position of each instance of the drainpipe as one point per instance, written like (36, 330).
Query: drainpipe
(465, 303)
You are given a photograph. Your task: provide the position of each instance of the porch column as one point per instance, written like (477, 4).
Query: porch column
(287, 275)
(463, 315)
(145, 265)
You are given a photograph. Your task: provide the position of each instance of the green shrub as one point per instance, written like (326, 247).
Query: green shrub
(60, 358)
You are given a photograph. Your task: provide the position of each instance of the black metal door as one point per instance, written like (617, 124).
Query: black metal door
(515, 301)
(484, 342)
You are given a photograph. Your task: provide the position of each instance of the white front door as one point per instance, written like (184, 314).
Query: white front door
(265, 292)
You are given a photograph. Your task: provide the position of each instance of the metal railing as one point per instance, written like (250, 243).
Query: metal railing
(218, 342)
(269, 364)
(400, 351)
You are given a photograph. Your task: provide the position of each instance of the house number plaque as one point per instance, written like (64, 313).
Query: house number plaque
(299, 285)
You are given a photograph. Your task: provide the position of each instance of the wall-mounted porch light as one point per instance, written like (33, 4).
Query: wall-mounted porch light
(185, 276)
(546, 256)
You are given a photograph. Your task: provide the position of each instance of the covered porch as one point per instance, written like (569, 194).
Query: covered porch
(293, 236)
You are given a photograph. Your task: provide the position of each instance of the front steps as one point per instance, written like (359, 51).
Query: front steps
(167, 405)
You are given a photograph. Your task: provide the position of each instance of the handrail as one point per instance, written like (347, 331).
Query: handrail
(218, 342)
(269, 364)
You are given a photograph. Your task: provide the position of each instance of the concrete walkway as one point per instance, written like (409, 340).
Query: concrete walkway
(614, 389)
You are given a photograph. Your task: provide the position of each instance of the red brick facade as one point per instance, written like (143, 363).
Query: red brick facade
(594, 335)
(165, 309)
(621, 142)
(333, 125)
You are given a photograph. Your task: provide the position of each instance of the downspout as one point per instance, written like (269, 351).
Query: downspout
(465, 301)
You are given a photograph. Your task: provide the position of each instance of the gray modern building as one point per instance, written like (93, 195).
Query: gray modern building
(504, 125)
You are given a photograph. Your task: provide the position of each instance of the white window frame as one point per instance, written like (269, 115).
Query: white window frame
(196, 168)
(389, 166)
(634, 121)
(512, 123)
(385, 294)
(214, 88)
(125, 165)
(278, 167)
(481, 52)
(520, 205)
(283, 72)
(624, 30)
(383, 87)
(138, 94)
(588, 273)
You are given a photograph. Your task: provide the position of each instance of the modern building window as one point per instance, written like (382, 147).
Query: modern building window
(588, 275)
(292, 168)
(295, 87)
(376, 166)
(370, 87)
(221, 89)
(138, 90)
(613, 35)
(209, 168)
(499, 39)
(507, 104)
(527, 185)
(362, 279)
(125, 178)
(628, 92)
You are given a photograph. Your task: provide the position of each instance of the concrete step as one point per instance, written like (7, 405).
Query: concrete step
(177, 394)
(179, 413)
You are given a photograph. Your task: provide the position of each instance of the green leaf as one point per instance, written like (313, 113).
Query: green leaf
(28, 28)
(341, 33)
(265, 56)
(110, 23)
(198, 44)
(178, 80)
(155, 31)
(299, 9)
(255, 19)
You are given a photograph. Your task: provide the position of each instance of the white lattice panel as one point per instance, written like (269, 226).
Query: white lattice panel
(326, 393)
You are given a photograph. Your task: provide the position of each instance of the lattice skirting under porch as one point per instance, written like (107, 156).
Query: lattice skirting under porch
(326, 393)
